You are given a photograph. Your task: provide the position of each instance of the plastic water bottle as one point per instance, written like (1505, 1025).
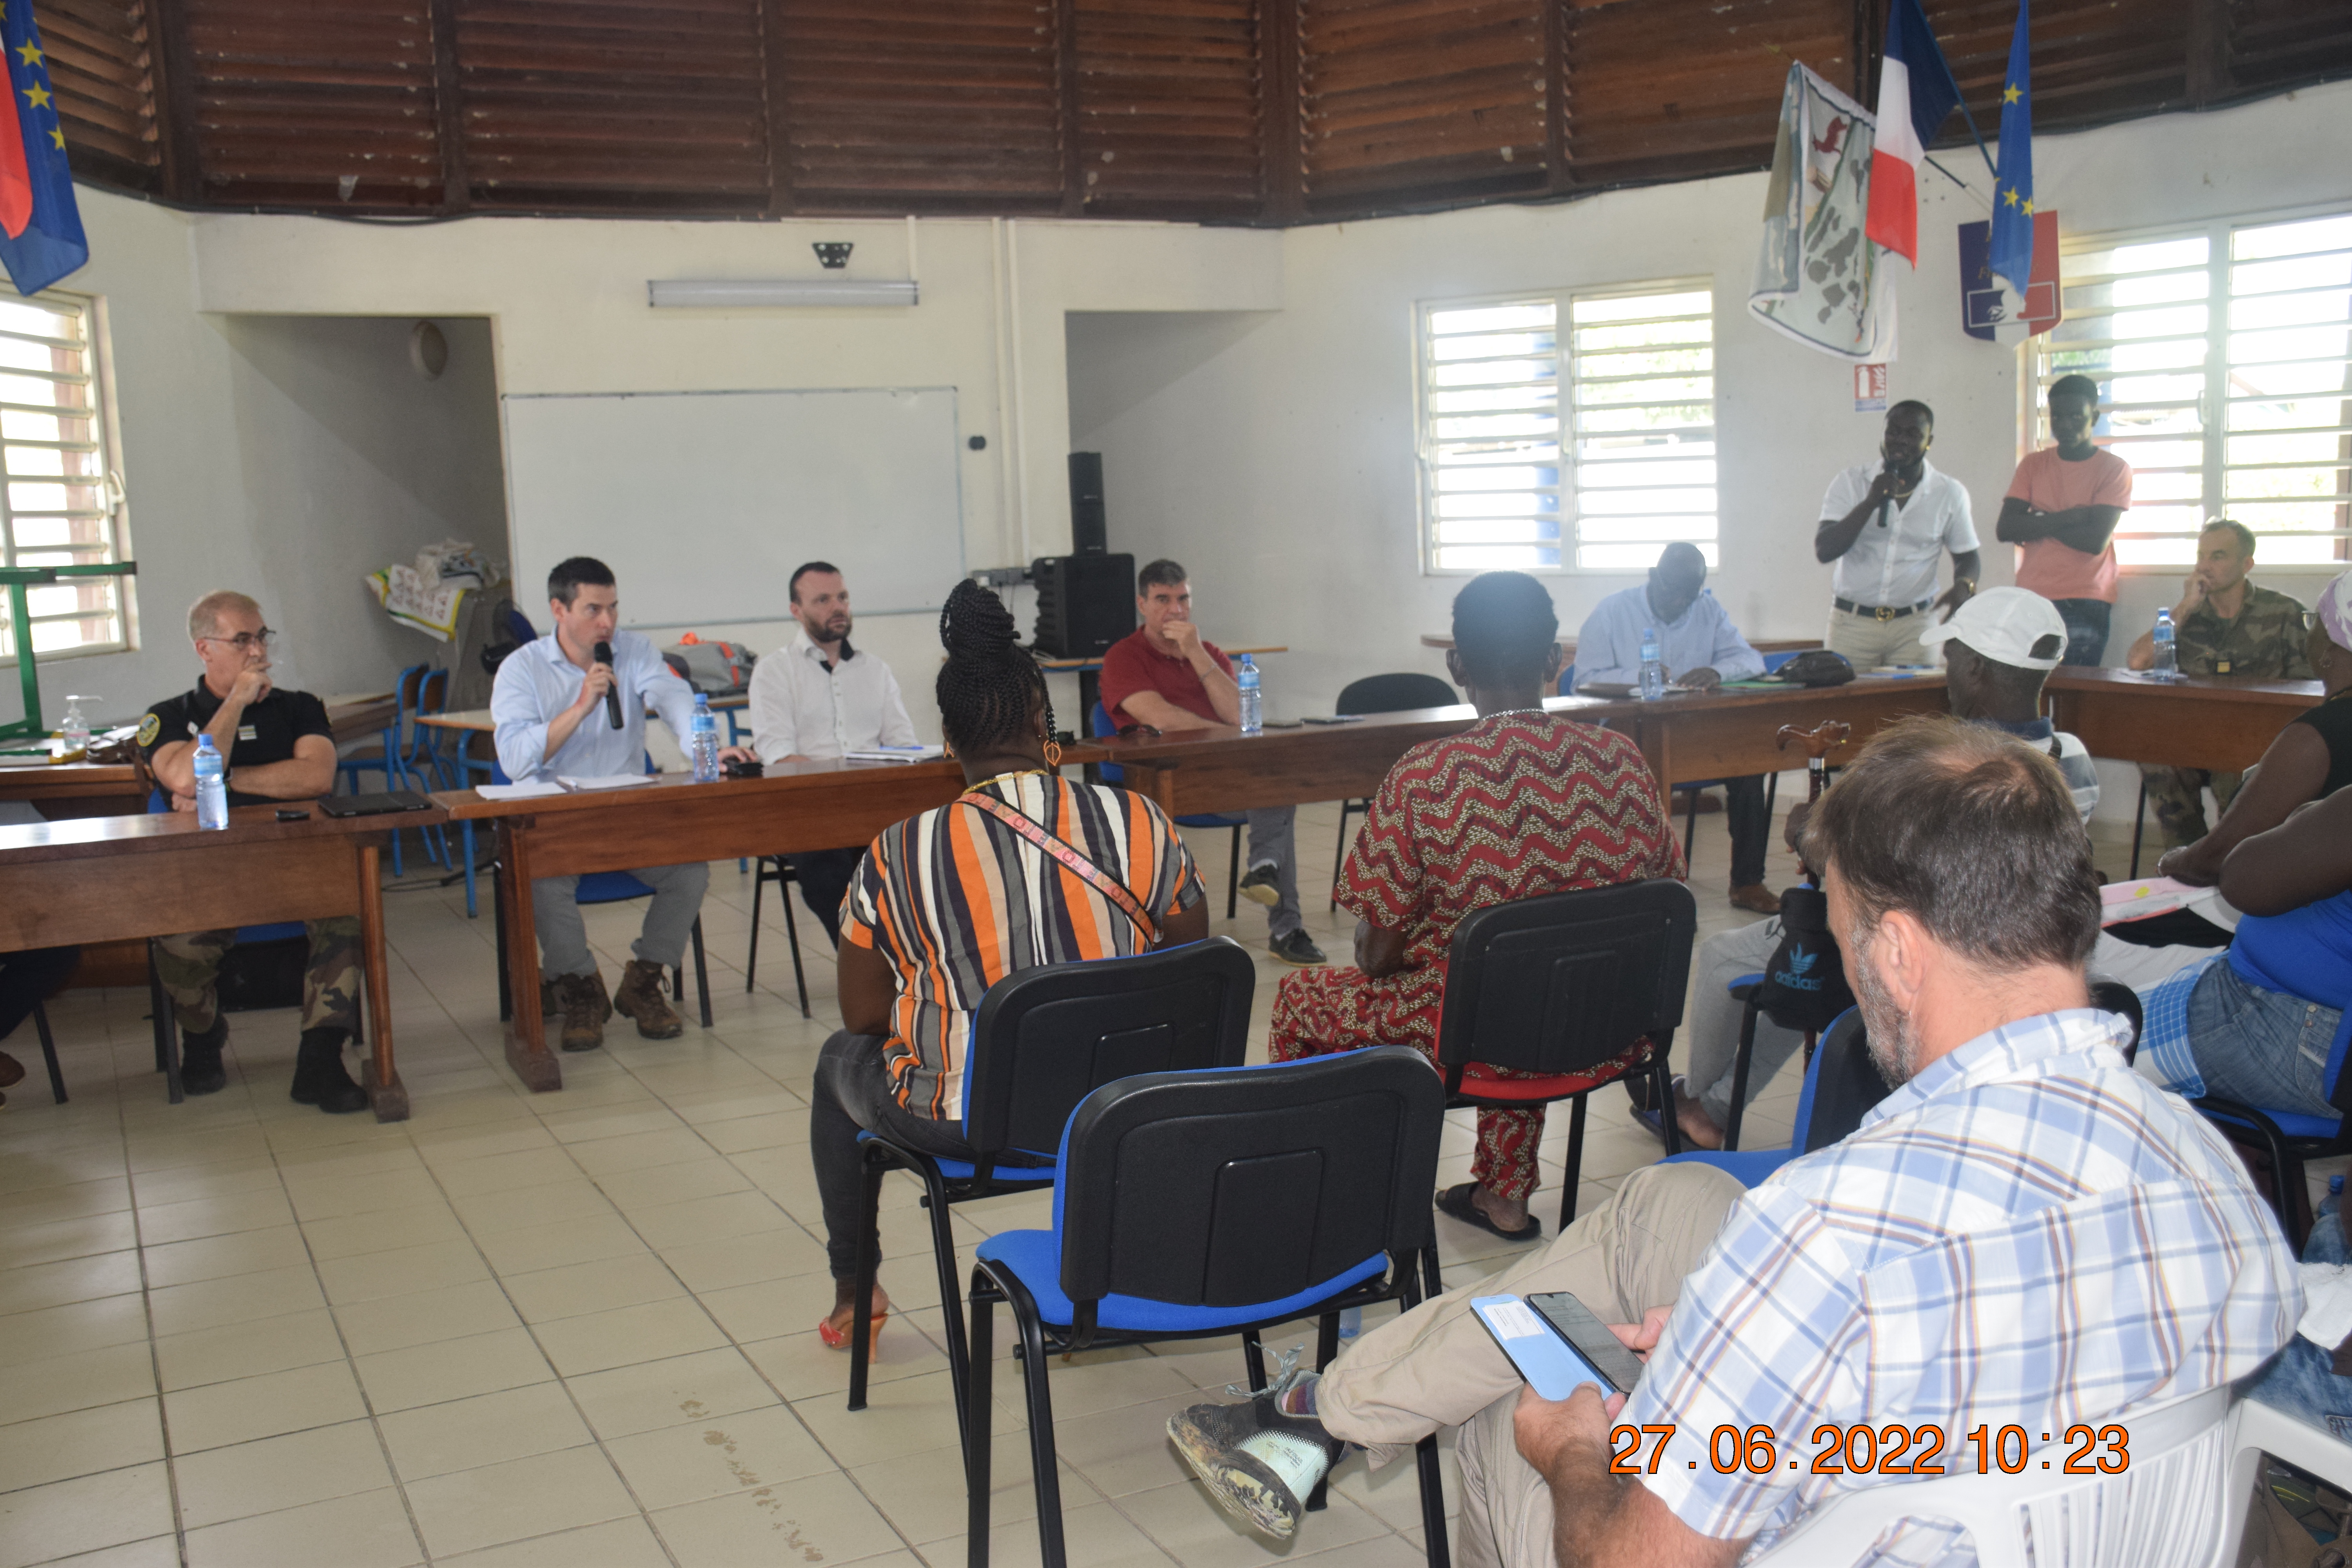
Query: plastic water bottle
(1252, 703)
(73, 729)
(2168, 659)
(2334, 1202)
(1653, 669)
(212, 785)
(706, 740)
(1352, 1322)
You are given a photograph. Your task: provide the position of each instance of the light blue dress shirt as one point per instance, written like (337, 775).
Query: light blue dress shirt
(1609, 648)
(537, 682)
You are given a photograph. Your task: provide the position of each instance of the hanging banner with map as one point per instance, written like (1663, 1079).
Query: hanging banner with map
(1818, 278)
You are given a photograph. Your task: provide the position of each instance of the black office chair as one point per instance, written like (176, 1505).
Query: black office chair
(2115, 996)
(1381, 694)
(1193, 1205)
(1043, 1040)
(774, 868)
(1557, 986)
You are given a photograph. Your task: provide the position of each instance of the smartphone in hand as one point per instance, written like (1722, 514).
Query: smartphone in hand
(1552, 1367)
(1572, 1321)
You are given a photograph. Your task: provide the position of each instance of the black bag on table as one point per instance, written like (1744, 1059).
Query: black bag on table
(1816, 667)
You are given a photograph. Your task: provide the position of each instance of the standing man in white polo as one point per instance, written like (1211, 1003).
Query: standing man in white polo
(1887, 528)
(817, 699)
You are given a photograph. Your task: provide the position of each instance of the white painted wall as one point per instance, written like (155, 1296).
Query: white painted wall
(1273, 453)
(285, 456)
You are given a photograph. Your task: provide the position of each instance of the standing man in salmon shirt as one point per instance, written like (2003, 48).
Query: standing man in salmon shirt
(2061, 512)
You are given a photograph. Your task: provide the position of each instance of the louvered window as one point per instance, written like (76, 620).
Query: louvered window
(1167, 107)
(61, 500)
(101, 60)
(1505, 485)
(2224, 362)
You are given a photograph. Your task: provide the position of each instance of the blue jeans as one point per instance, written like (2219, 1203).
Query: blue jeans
(2263, 1048)
(2301, 1379)
(2086, 629)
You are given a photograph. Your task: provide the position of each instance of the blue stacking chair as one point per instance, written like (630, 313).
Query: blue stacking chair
(167, 1031)
(1841, 1084)
(1381, 694)
(2290, 1138)
(1112, 774)
(1042, 1041)
(409, 754)
(1202, 1203)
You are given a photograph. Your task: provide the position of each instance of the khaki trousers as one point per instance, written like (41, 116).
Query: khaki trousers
(1435, 1366)
(1868, 642)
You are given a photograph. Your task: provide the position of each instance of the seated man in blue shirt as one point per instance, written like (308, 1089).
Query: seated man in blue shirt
(2024, 1232)
(1701, 649)
(549, 709)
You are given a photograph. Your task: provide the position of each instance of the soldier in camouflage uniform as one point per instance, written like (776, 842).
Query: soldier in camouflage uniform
(279, 747)
(2226, 626)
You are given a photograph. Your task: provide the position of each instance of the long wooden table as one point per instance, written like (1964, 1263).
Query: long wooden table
(672, 821)
(2217, 722)
(64, 790)
(1723, 734)
(94, 880)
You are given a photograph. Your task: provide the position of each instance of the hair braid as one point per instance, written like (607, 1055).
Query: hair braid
(989, 680)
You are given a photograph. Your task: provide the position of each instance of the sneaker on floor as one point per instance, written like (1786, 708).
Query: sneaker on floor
(1259, 1463)
(1262, 885)
(1296, 948)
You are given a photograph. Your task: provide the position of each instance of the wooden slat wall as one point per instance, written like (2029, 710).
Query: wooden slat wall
(1707, 105)
(102, 59)
(1406, 98)
(907, 105)
(1169, 120)
(604, 103)
(288, 99)
(1265, 111)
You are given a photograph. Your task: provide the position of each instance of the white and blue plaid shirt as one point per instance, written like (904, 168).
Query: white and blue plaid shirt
(2028, 1233)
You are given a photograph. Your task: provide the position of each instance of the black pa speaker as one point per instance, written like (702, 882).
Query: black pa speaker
(1089, 524)
(1085, 603)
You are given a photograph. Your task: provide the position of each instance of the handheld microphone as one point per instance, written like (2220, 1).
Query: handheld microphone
(602, 654)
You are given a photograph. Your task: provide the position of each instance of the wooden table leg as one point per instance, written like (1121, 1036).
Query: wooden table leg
(525, 1033)
(386, 1094)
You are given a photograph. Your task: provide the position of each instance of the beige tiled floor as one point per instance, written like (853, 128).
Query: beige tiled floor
(571, 1329)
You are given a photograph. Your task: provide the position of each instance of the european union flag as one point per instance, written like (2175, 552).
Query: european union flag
(40, 226)
(2012, 190)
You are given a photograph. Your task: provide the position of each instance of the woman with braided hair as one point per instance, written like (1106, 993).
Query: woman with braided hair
(947, 903)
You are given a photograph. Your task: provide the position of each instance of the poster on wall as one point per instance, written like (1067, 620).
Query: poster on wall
(1988, 310)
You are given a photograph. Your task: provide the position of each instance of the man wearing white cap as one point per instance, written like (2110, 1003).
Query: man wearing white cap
(1999, 647)
(2311, 758)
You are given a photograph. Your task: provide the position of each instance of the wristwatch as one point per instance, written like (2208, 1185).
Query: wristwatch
(1968, 582)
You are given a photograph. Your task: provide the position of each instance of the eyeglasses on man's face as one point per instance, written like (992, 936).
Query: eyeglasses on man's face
(246, 642)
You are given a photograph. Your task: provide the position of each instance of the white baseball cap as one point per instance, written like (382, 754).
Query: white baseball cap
(2006, 625)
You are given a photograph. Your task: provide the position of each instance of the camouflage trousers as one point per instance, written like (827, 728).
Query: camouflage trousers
(2177, 796)
(189, 965)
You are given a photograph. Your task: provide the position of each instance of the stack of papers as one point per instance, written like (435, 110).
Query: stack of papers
(607, 781)
(896, 754)
(2150, 895)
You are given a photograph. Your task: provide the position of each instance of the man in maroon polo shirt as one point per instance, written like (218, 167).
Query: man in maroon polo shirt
(1166, 675)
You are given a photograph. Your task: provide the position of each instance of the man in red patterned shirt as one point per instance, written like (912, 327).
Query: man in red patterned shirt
(1521, 804)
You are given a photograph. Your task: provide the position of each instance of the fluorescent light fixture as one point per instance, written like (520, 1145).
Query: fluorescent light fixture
(738, 293)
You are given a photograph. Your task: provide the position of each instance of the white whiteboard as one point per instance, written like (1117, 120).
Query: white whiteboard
(703, 502)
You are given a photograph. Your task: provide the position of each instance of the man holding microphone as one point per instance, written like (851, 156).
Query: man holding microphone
(1887, 532)
(572, 705)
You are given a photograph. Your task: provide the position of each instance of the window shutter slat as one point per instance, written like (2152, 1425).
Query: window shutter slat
(1169, 107)
(101, 62)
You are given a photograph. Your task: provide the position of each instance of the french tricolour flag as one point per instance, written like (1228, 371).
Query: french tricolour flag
(1915, 92)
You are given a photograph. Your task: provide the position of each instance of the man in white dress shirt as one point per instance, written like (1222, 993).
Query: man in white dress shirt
(817, 699)
(1700, 648)
(1888, 531)
(553, 722)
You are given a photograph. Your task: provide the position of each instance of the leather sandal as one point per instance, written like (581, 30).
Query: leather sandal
(1457, 1203)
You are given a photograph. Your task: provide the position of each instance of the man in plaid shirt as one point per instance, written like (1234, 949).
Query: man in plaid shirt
(2025, 1232)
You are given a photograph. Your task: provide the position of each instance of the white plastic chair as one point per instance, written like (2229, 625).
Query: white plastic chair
(2256, 1429)
(2168, 1510)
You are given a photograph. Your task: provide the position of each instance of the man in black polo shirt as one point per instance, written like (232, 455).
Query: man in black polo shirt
(277, 746)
